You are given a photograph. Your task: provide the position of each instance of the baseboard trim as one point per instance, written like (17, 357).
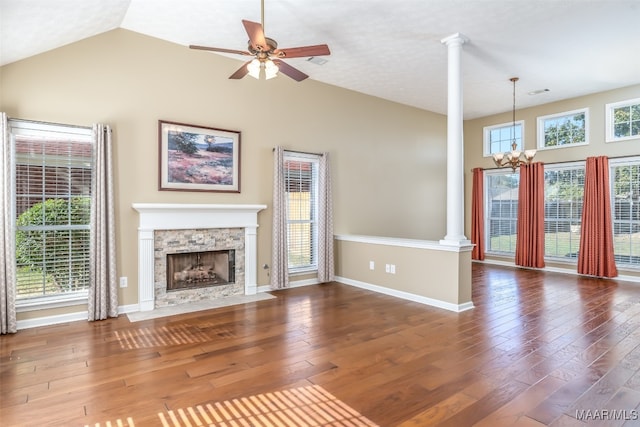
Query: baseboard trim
(68, 317)
(625, 278)
(294, 284)
(129, 308)
(52, 320)
(457, 308)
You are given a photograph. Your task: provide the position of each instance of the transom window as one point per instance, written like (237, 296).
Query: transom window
(498, 138)
(623, 120)
(566, 129)
(52, 195)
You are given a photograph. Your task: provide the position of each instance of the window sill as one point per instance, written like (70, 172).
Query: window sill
(303, 271)
(44, 303)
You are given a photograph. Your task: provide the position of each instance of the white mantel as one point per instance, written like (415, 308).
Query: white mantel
(170, 216)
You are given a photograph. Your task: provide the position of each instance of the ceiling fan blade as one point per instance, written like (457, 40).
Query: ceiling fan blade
(297, 52)
(241, 72)
(256, 35)
(218, 49)
(288, 70)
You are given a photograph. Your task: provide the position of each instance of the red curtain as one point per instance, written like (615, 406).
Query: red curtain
(596, 233)
(530, 238)
(477, 214)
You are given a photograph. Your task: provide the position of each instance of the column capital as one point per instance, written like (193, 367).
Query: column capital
(456, 39)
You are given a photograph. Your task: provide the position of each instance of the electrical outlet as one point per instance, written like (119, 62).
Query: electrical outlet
(123, 282)
(372, 265)
(393, 269)
(387, 268)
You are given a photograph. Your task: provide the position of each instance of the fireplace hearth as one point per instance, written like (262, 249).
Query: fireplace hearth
(200, 269)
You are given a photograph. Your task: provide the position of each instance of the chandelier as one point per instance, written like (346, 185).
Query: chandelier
(515, 157)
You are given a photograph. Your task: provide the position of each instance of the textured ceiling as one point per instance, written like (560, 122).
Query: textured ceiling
(389, 49)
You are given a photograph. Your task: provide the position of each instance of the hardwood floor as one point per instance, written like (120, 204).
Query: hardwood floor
(538, 349)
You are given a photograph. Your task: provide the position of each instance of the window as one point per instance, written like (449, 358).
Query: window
(623, 120)
(498, 138)
(625, 194)
(301, 180)
(52, 199)
(563, 194)
(565, 129)
(502, 210)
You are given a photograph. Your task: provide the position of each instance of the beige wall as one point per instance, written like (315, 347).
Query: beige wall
(473, 134)
(422, 269)
(387, 159)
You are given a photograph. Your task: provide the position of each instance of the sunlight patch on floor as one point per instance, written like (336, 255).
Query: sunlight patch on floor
(130, 339)
(298, 407)
(119, 423)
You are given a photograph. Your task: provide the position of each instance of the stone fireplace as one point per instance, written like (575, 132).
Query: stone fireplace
(193, 246)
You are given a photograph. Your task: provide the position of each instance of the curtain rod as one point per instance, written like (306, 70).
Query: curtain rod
(567, 161)
(300, 152)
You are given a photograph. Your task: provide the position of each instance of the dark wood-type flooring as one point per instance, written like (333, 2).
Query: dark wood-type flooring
(537, 349)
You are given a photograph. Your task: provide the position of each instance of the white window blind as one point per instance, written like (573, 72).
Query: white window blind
(563, 195)
(625, 193)
(301, 180)
(501, 210)
(53, 167)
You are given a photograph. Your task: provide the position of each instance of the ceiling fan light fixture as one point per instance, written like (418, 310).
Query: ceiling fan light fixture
(253, 69)
(270, 69)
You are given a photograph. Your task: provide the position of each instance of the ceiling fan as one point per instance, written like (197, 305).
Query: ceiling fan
(266, 54)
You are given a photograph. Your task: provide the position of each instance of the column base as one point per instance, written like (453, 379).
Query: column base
(456, 241)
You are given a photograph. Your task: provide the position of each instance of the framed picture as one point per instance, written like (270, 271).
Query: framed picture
(198, 158)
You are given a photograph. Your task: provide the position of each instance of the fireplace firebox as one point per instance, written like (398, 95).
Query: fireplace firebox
(187, 270)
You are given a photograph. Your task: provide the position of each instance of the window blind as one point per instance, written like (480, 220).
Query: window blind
(501, 190)
(301, 180)
(53, 172)
(563, 195)
(625, 193)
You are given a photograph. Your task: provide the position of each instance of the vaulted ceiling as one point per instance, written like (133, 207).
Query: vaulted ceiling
(389, 49)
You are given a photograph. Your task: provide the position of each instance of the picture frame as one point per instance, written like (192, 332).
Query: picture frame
(198, 158)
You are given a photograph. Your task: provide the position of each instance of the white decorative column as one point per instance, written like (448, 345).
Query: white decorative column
(146, 295)
(250, 267)
(455, 155)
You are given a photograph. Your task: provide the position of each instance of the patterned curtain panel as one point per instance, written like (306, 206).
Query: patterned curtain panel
(8, 322)
(279, 253)
(103, 292)
(530, 239)
(325, 222)
(477, 214)
(596, 257)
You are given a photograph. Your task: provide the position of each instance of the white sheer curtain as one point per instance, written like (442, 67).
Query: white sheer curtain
(8, 322)
(279, 252)
(103, 292)
(325, 222)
